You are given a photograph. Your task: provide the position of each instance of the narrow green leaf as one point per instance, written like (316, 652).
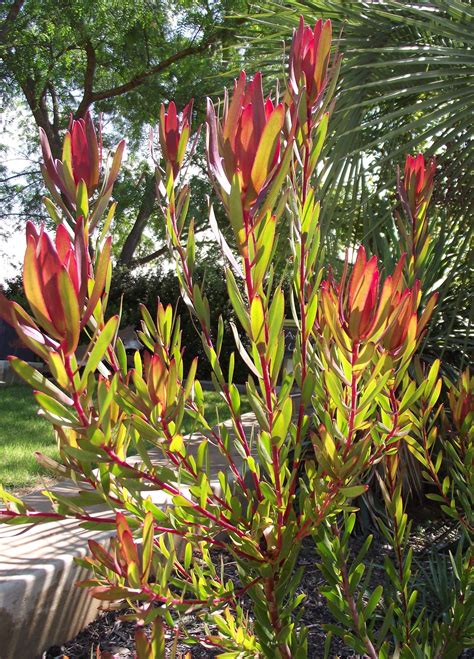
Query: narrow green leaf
(102, 343)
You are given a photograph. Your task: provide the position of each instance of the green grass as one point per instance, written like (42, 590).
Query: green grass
(216, 410)
(22, 432)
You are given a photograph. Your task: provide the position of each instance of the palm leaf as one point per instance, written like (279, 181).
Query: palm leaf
(407, 84)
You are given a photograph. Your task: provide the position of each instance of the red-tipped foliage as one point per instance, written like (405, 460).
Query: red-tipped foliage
(309, 59)
(56, 278)
(418, 182)
(246, 142)
(81, 161)
(461, 402)
(174, 134)
(84, 152)
(366, 311)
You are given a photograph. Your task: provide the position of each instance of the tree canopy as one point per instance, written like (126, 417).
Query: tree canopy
(124, 59)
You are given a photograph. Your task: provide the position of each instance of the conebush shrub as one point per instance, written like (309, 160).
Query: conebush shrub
(356, 394)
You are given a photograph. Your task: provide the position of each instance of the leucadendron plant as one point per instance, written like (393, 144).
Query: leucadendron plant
(338, 417)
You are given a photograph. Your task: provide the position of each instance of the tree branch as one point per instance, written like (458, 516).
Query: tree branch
(11, 18)
(146, 209)
(55, 104)
(31, 172)
(139, 79)
(149, 257)
(142, 260)
(88, 95)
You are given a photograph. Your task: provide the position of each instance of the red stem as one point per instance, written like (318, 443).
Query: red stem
(304, 337)
(235, 417)
(299, 425)
(173, 491)
(191, 602)
(54, 516)
(353, 410)
(431, 468)
(397, 544)
(231, 462)
(360, 631)
(269, 589)
(184, 462)
(266, 383)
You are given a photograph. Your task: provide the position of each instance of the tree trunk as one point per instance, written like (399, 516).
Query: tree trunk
(146, 208)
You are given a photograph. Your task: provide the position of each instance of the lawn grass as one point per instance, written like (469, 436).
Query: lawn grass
(22, 432)
(216, 410)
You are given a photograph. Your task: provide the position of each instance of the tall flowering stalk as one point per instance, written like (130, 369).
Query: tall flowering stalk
(415, 189)
(74, 180)
(309, 456)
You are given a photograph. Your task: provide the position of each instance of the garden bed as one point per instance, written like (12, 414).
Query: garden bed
(115, 637)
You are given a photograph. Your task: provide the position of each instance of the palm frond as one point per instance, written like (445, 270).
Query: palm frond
(407, 84)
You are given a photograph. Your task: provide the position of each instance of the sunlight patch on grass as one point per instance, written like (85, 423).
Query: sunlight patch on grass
(22, 432)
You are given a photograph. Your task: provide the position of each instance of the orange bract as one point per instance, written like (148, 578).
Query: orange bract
(365, 312)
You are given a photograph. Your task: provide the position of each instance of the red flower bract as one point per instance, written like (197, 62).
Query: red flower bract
(84, 152)
(366, 312)
(418, 181)
(309, 58)
(174, 130)
(80, 162)
(363, 288)
(60, 286)
(55, 282)
(246, 142)
(402, 317)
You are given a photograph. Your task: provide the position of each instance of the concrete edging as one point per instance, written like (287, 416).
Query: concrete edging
(39, 603)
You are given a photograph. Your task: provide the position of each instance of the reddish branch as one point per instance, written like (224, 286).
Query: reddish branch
(235, 416)
(220, 521)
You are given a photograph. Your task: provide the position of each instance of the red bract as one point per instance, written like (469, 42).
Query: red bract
(365, 312)
(174, 134)
(52, 277)
(418, 182)
(357, 306)
(56, 278)
(160, 379)
(246, 142)
(55, 282)
(361, 309)
(309, 58)
(80, 161)
(85, 154)
(402, 319)
(156, 378)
